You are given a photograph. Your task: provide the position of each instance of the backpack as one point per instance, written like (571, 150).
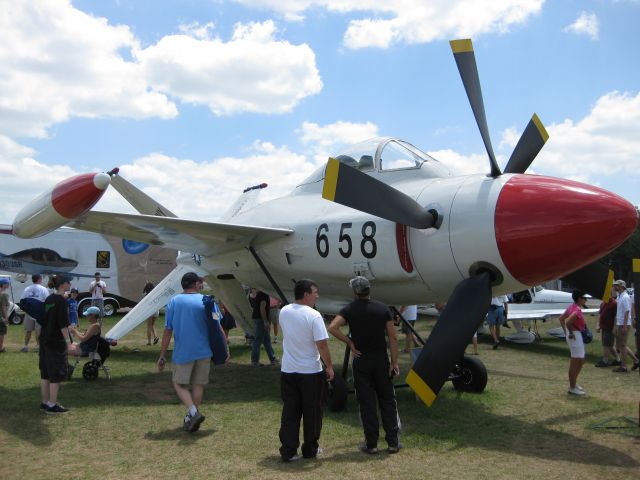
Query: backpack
(34, 308)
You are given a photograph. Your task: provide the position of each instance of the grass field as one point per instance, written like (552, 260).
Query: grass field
(523, 426)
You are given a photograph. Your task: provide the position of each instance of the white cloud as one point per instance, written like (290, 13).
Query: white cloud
(233, 77)
(58, 63)
(412, 21)
(198, 190)
(603, 144)
(460, 164)
(585, 24)
(24, 177)
(326, 140)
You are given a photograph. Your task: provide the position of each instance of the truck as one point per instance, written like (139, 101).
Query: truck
(124, 265)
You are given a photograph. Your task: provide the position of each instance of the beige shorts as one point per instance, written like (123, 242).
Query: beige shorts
(192, 373)
(30, 324)
(621, 337)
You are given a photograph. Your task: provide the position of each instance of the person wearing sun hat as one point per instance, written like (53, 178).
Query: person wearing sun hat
(623, 325)
(89, 339)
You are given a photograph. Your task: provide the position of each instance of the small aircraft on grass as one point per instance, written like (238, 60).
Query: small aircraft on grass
(388, 211)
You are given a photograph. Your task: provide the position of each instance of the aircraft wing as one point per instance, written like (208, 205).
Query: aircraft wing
(204, 238)
(543, 314)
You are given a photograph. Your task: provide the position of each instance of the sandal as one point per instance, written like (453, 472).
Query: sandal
(155, 340)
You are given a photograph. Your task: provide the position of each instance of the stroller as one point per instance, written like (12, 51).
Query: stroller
(97, 357)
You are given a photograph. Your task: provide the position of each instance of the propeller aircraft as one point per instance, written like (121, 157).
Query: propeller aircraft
(385, 210)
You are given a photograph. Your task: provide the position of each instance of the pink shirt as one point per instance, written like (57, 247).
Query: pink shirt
(579, 323)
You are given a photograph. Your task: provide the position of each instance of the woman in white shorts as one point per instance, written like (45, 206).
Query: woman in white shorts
(572, 320)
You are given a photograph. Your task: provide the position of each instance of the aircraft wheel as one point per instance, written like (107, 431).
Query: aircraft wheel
(337, 393)
(90, 370)
(471, 375)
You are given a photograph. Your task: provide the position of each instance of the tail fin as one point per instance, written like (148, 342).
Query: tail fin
(151, 303)
(244, 202)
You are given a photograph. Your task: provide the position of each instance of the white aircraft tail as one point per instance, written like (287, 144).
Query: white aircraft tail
(151, 303)
(248, 199)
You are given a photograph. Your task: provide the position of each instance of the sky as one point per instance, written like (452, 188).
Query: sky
(196, 100)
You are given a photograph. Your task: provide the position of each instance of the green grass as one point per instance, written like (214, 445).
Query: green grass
(523, 426)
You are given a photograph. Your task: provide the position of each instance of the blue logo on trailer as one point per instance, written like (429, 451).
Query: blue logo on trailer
(133, 247)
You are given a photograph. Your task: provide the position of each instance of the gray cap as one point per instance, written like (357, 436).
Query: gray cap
(620, 283)
(360, 285)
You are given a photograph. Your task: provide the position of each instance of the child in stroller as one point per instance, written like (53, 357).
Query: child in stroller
(92, 345)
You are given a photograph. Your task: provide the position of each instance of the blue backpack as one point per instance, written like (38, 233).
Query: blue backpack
(217, 341)
(34, 308)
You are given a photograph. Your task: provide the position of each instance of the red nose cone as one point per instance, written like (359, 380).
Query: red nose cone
(547, 227)
(74, 196)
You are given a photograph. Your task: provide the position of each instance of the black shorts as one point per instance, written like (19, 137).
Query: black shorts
(53, 363)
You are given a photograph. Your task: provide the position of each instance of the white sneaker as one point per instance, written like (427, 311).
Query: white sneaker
(24, 349)
(579, 388)
(576, 391)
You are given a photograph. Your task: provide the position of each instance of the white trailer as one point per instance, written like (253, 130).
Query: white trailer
(124, 265)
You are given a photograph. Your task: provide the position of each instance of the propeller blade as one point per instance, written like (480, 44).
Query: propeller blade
(350, 187)
(466, 61)
(596, 279)
(463, 315)
(531, 142)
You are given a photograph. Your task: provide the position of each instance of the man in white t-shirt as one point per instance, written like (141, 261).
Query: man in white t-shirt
(623, 325)
(302, 381)
(39, 292)
(97, 289)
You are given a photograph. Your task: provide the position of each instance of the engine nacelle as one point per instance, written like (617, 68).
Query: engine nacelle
(66, 201)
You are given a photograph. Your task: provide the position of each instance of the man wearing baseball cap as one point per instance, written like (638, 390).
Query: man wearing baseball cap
(368, 322)
(55, 344)
(623, 325)
(185, 320)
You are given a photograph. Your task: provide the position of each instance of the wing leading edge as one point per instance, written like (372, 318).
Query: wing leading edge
(204, 238)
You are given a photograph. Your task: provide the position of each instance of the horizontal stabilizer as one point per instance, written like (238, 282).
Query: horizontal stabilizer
(151, 303)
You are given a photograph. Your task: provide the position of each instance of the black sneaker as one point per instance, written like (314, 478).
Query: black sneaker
(43, 407)
(369, 450)
(620, 370)
(186, 424)
(616, 363)
(56, 409)
(602, 364)
(393, 450)
(196, 420)
(635, 366)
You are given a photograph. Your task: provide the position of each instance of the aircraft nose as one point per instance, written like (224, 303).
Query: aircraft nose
(548, 227)
(76, 195)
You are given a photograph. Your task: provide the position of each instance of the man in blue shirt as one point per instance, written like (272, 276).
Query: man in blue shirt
(185, 320)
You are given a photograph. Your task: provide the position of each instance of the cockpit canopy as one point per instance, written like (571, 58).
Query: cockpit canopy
(385, 154)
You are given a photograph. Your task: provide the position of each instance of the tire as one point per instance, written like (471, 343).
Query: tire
(470, 375)
(90, 370)
(15, 319)
(337, 393)
(110, 308)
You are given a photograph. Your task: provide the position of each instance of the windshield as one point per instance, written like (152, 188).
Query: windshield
(384, 154)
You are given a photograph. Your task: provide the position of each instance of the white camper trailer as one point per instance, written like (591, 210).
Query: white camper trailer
(124, 265)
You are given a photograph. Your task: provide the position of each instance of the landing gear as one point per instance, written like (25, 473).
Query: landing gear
(470, 375)
(337, 393)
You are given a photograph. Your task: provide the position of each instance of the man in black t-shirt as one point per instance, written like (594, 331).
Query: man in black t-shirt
(369, 321)
(55, 344)
(260, 305)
